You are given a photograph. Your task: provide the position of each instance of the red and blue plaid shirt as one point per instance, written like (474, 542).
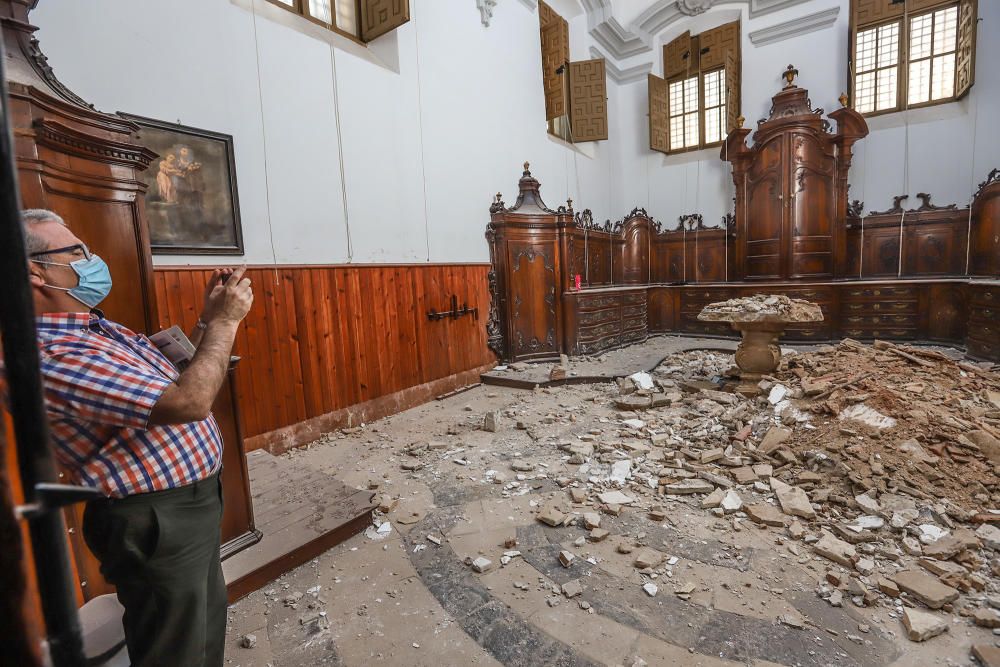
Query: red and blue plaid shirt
(101, 383)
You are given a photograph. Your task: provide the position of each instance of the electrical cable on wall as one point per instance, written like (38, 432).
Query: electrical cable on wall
(420, 122)
(340, 154)
(972, 182)
(263, 136)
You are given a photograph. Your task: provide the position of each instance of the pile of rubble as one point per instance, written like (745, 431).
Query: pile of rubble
(880, 460)
(762, 307)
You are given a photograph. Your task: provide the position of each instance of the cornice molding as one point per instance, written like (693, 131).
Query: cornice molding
(618, 40)
(800, 26)
(530, 4)
(626, 75)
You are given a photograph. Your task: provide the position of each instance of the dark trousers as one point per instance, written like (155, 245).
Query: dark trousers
(161, 551)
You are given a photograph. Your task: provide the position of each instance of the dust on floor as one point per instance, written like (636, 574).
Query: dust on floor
(660, 521)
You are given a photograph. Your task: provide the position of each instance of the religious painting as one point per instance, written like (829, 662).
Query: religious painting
(191, 198)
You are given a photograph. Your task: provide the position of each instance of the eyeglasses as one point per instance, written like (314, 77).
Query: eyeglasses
(79, 249)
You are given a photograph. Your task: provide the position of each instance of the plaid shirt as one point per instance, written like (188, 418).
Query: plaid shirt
(101, 383)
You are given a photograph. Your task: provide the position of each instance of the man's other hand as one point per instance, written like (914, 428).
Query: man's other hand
(230, 296)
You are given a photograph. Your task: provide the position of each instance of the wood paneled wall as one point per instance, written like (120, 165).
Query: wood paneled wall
(322, 338)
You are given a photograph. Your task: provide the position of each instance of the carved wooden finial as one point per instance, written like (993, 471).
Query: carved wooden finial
(499, 197)
(739, 121)
(569, 202)
(526, 165)
(790, 73)
(844, 99)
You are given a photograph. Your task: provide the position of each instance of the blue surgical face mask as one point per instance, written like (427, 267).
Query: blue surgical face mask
(94, 283)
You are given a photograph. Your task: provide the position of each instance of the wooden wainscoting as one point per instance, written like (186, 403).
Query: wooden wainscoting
(321, 339)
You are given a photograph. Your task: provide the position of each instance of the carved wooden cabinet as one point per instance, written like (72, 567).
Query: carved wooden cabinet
(791, 190)
(527, 281)
(984, 256)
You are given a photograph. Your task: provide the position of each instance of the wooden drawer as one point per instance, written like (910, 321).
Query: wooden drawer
(709, 294)
(634, 311)
(985, 313)
(814, 294)
(634, 298)
(598, 302)
(886, 332)
(599, 331)
(889, 320)
(595, 346)
(982, 350)
(805, 333)
(878, 307)
(854, 293)
(984, 332)
(589, 318)
(634, 336)
(989, 296)
(635, 323)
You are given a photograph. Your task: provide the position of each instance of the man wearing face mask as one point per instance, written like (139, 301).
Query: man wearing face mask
(126, 421)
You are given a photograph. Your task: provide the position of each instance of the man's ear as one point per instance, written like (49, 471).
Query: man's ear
(35, 277)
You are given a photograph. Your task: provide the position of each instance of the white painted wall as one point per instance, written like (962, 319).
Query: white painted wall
(424, 126)
(392, 153)
(945, 150)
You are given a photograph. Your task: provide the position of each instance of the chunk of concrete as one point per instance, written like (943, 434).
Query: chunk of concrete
(647, 557)
(795, 502)
(925, 588)
(921, 625)
(774, 438)
(836, 550)
(550, 516)
(765, 514)
(689, 486)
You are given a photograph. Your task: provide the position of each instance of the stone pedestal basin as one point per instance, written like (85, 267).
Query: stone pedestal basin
(761, 320)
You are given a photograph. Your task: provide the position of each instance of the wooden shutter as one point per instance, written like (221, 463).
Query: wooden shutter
(965, 58)
(546, 14)
(920, 5)
(733, 77)
(678, 56)
(381, 16)
(588, 100)
(555, 54)
(659, 114)
(714, 44)
(873, 11)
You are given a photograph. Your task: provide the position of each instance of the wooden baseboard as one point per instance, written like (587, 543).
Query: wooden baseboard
(282, 439)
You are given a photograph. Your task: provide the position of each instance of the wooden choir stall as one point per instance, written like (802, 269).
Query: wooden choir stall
(83, 165)
(561, 284)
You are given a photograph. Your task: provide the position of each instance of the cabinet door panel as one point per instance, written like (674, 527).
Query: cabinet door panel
(812, 206)
(533, 299)
(765, 210)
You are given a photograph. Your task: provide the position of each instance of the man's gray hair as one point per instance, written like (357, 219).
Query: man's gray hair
(32, 216)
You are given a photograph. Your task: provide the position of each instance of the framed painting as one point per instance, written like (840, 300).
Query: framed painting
(191, 198)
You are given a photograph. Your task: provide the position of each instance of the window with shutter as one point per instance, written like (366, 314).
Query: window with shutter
(909, 53)
(702, 82)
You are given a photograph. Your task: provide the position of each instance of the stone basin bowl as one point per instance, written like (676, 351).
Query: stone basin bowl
(760, 320)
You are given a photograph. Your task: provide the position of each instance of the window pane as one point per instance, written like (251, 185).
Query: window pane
(713, 89)
(865, 50)
(944, 77)
(888, 45)
(320, 10)
(864, 92)
(691, 129)
(677, 132)
(920, 82)
(920, 36)
(347, 16)
(290, 3)
(676, 98)
(713, 126)
(886, 89)
(945, 30)
(691, 94)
